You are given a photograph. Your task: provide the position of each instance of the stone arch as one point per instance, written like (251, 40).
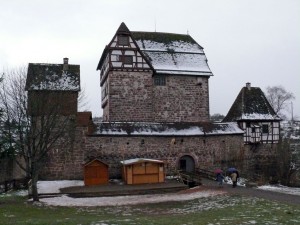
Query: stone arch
(186, 163)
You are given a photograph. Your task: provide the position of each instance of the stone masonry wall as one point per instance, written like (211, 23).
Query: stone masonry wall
(210, 152)
(183, 99)
(207, 152)
(130, 97)
(134, 97)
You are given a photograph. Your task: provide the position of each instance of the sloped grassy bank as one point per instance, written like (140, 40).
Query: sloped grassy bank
(222, 209)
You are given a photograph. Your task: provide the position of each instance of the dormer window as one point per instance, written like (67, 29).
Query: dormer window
(123, 40)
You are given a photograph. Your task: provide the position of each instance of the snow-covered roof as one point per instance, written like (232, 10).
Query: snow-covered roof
(140, 160)
(166, 129)
(42, 76)
(173, 53)
(251, 104)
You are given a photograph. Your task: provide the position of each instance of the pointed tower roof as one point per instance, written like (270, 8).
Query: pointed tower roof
(123, 29)
(251, 104)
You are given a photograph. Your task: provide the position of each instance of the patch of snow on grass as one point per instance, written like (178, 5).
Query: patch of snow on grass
(47, 187)
(281, 189)
(126, 200)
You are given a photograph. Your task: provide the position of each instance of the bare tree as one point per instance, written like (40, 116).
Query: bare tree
(34, 126)
(288, 160)
(83, 104)
(217, 117)
(279, 98)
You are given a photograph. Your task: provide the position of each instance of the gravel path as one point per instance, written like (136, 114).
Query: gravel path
(253, 192)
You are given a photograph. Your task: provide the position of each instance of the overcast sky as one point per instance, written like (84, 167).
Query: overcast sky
(255, 41)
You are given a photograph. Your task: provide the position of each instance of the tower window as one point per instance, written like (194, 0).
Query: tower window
(126, 59)
(160, 81)
(123, 40)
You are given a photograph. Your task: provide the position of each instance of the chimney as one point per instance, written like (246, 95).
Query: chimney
(66, 64)
(248, 85)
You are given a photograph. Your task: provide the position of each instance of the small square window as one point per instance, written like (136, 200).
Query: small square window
(160, 81)
(126, 59)
(123, 40)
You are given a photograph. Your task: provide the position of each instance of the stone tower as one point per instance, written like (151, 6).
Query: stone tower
(154, 77)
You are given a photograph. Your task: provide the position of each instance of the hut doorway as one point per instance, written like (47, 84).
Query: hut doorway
(186, 163)
(95, 172)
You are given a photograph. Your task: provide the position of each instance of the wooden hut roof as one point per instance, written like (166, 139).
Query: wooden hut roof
(140, 160)
(93, 160)
(251, 104)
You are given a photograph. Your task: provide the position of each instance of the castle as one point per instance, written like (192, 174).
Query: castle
(155, 100)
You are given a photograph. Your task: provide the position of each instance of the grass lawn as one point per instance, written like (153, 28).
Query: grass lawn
(209, 211)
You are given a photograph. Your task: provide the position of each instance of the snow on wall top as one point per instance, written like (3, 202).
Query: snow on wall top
(41, 76)
(173, 53)
(167, 129)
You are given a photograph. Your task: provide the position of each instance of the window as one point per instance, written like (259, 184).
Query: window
(126, 59)
(160, 81)
(123, 40)
(104, 91)
(265, 128)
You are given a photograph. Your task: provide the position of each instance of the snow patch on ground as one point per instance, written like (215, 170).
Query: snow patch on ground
(281, 189)
(47, 187)
(127, 200)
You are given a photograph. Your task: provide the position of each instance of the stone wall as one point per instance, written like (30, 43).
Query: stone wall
(183, 99)
(132, 96)
(208, 152)
(58, 102)
(129, 97)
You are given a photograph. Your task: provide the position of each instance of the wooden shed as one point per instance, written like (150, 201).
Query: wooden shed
(143, 171)
(95, 172)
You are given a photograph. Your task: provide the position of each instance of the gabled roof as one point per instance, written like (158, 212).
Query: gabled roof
(173, 53)
(94, 160)
(42, 76)
(140, 160)
(167, 53)
(166, 129)
(251, 104)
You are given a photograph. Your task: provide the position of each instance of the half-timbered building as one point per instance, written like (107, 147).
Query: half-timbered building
(254, 114)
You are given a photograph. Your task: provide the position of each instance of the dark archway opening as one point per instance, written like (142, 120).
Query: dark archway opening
(187, 163)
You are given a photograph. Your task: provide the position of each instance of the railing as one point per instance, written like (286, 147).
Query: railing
(206, 173)
(190, 178)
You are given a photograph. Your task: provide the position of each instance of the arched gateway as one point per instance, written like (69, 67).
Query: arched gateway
(186, 163)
